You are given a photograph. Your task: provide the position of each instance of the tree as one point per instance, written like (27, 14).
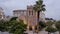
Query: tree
(17, 27)
(3, 25)
(42, 25)
(13, 26)
(57, 24)
(50, 27)
(39, 7)
(13, 18)
(49, 23)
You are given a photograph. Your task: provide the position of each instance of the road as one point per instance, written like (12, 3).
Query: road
(31, 32)
(40, 32)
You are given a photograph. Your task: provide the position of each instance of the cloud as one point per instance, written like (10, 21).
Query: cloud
(53, 9)
(52, 6)
(31, 2)
(10, 5)
(15, 4)
(3, 0)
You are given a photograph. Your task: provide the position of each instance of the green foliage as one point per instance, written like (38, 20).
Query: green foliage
(13, 18)
(13, 26)
(17, 27)
(51, 29)
(2, 25)
(49, 23)
(57, 24)
(39, 6)
(42, 25)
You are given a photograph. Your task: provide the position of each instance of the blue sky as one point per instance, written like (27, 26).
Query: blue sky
(52, 6)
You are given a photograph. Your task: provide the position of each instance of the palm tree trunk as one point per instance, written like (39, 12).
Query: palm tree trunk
(38, 14)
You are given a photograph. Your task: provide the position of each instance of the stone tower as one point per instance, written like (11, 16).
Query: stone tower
(29, 17)
(32, 17)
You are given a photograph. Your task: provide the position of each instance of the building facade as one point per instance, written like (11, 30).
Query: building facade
(32, 17)
(2, 16)
(18, 13)
(29, 16)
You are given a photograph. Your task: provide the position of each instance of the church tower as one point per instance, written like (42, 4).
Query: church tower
(32, 17)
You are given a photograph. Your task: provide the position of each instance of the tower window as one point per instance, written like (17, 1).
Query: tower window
(32, 12)
(29, 12)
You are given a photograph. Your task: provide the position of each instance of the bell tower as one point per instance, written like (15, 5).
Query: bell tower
(32, 17)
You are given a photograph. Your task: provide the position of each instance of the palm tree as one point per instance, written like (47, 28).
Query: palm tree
(39, 7)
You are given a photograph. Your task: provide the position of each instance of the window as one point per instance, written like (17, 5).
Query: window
(32, 12)
(29, 12)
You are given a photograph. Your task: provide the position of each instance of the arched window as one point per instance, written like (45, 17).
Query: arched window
(29, 12)
(32, 12)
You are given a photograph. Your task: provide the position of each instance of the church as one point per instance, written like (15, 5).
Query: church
(29, 17)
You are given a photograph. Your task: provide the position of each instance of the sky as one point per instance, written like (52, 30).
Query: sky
(52, 7)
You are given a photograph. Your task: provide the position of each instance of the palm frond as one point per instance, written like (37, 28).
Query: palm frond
(43, 5)
(43, 9)
(39, 6)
